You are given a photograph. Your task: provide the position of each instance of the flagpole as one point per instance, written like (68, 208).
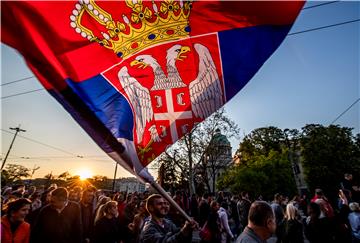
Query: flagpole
(163, 193)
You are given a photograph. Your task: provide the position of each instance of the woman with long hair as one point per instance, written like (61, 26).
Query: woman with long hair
(107, 228)
(292, 227)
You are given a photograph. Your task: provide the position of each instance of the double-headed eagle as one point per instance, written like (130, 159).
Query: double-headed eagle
(206, 94)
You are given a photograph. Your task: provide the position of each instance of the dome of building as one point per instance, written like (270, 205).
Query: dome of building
(219, 139)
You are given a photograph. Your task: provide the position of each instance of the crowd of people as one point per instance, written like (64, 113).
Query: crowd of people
(66, 215)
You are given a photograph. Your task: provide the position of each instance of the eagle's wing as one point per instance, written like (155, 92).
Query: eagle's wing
(205, 91)
(140, 100)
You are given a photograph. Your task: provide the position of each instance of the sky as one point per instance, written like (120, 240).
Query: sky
(312, 77)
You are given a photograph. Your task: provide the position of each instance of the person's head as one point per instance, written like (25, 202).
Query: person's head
(110, 209)
(314, 210)
(206, 196)
(277, 198)
(348, 176)
(245, 194)
(18, 209)
(75, 194)
(214, 205)
(261, 216)
(59, 198)
(319, 192)
(354, 206)
(290, 211)
(142, 206)
(88, 196)
(157, 206)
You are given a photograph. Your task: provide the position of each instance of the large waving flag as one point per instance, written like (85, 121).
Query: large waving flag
(138, 75)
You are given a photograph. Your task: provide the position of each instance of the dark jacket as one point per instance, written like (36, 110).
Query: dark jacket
(154, 233)
(292, 231)
(54, 227)
(319, 231)
(107, 231)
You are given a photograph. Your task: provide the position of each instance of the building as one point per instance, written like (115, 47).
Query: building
(217, 158)
(129, 184)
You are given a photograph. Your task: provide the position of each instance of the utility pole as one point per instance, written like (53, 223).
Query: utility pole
(17, 129)
(113, 185)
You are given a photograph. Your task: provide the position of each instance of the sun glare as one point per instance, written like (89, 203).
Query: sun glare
(84, 174)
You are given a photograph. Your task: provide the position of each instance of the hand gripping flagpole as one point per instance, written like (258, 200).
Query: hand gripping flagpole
(163, 193)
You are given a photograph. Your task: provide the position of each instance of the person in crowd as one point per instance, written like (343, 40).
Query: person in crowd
(136, 226)
(234, 215)
(160, 229)
(174, 214)
(194, 207)
(261, 224)
(19, 191)
(107, 227)
(14, 229)
(318, 229)
(347, 183)
(292, 228)
(325, 206)
(130, 209)
(220, 198)
(226, 233)
(243, 207)
(101, 201)
(120, 198)
(303, 204)
(59, 221)
(212, 225)
(75, 194)
(35, 199)
(204, 209)
(354, 220)
(6, 194)
(87, 212)
(342, 230)
(276, 205)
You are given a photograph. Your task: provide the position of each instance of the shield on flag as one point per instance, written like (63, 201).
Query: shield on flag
(168, 94)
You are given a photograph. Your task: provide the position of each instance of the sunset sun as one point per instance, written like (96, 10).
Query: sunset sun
(84, 174)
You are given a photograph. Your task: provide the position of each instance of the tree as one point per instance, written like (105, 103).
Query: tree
(263, 175)
(328, 153)
(260, 142)
(265, 165)
(14, 172)
(189, 152)
(64, 176)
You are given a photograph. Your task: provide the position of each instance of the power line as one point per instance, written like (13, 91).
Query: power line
(27, 92)
(324, 27)
(44, 144)
(321, 4)
(346, 110)
(18, 80)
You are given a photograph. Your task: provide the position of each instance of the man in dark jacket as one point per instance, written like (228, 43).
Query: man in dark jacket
(58, 222)
(159, 229)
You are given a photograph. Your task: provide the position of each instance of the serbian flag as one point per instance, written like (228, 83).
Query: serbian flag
(138, 75)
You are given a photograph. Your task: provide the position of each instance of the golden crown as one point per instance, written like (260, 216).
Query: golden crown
(149, 24)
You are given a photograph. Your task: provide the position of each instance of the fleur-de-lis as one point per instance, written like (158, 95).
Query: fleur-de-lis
(169, 6)
(139, 13)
